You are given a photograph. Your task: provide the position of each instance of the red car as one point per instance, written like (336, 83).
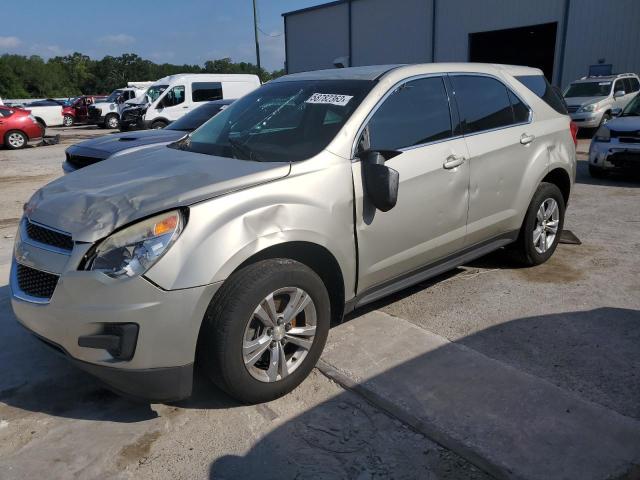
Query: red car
(18, 127)
(77, 111)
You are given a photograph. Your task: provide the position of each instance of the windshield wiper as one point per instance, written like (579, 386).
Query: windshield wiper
(243, 149)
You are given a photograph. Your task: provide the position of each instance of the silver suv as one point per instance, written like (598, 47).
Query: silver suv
(238, 245)
(593, 101)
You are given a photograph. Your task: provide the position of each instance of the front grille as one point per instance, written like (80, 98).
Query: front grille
(572, 109)
(625, 159)
(36, 283)
(626, 137)
(47, 236)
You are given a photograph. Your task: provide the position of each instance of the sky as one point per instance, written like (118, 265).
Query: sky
(172, 31)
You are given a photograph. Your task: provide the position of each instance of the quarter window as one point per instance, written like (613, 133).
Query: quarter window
(417, 112)
(483, 102)
(520, 110)
(206, 91)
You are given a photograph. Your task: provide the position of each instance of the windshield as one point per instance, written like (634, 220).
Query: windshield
(281, 121)
(633, 109)
(114, 96)
(197, 117)
(154, 92)
(588, 89)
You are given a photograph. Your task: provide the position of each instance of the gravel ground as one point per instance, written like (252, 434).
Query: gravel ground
(574, 321)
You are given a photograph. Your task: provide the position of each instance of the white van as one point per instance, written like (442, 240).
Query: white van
(171, 97)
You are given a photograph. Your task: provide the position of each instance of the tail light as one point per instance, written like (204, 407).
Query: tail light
(574, 133)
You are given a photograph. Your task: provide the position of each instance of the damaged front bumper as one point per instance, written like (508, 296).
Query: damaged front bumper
(81, 314)
(614, 155)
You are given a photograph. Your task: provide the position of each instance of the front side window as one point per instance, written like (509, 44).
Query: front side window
(284, 121)
(114, 96)
(415, 113)
(154, 92)
(174, 97)
(619, 86)
(206, 91)
(483, 103)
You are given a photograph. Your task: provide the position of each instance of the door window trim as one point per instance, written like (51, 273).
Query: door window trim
(471, 74)
(453, 103)
(452, 115)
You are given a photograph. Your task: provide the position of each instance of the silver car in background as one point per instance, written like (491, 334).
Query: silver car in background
(591, 101)
(317, 193)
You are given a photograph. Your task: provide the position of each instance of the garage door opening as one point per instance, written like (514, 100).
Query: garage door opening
(532, 46)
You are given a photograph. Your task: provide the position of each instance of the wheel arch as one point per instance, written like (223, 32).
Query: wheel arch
(319, 259)
(41, 120)
(561, 179)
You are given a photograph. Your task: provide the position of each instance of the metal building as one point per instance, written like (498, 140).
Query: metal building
(562, 37)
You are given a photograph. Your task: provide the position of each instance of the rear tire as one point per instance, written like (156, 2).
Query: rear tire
(15, 140)
(67, 121)
(238, 317)
(540, 233)
(158, 124)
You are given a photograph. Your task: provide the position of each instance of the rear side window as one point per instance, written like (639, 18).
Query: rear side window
(521, 112)
(416, 112)
(483, 103)
(635, 84)
(206, 91)
(538, 84)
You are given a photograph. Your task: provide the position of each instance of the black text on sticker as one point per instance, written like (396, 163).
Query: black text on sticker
(329, 99)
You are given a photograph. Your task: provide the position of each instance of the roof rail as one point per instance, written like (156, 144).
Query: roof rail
(613, 75)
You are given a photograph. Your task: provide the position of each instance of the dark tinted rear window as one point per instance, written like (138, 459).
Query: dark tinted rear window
(206, 91)
(538, 84)
(483, 103)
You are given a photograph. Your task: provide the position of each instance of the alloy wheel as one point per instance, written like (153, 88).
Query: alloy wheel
(279, 334)
(547, 223)
(16, 140)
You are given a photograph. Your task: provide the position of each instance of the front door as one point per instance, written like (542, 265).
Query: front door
(429, 219)
(173, 105)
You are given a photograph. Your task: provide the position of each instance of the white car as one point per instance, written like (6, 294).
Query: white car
(47, 115)
(171, 97)
(107, 114)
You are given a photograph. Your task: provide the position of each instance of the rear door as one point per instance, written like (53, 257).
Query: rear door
(429, 219)
(502, 143)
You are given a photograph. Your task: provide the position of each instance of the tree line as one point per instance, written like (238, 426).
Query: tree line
(77, 74)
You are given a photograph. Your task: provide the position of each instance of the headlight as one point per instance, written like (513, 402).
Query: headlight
(602, 135)
(592, 107)
(134, 250)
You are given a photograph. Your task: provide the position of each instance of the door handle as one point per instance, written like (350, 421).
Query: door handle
(526, 139)
(453, 161)
(185, 107)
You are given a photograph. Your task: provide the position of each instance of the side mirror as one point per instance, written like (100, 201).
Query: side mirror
(615, 112)
(381, 182)
(619, 93)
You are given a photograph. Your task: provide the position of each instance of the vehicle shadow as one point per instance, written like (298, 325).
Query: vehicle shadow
(594, 354)
(36, 379)
(626, 179)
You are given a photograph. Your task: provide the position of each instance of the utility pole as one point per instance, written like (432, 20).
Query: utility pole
(255, 33)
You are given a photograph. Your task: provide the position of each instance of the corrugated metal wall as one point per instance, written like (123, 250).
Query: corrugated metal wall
(390, 32)
(316, 37)
(602, 29)
(400, 31)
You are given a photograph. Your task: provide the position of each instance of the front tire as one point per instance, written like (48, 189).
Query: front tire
(15, 140)
(265, 329)
(67, 121)
(111, 121)
(542, 226)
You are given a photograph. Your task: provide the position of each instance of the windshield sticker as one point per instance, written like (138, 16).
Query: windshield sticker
(329, 99)
(604, 83)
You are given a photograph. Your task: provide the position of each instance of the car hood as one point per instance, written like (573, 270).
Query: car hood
(624, 124)
(580, 101)
(94, 201)
(107, 145)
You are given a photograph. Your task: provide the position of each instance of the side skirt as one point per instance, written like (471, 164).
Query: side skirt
(429, 271)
